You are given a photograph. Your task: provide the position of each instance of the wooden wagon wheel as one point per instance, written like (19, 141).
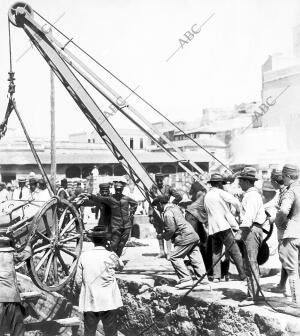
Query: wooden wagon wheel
(56, 242)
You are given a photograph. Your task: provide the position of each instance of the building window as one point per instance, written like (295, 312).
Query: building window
(141, 143)
(89, 140)
(131, 143)
(94, 141)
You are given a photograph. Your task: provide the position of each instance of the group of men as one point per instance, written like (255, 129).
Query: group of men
(215, 213)
(35, 190)
(233, 223)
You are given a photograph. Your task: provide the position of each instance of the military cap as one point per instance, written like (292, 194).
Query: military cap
(119, 184)
(22, 179)
(104, 185)
(248, 173)
(160, 176)
(290, 170)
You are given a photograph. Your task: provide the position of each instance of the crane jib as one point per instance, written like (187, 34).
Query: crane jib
(85, 102)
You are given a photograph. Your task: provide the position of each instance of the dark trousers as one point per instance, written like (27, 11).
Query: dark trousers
(193, 253)
(197, 226)
(109, 321)
(226, 237)
(119, 239)
(252, 242)
(11, 314)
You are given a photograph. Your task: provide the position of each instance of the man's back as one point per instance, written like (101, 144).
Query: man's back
(99, 291)
(219, 216)
(181, 231)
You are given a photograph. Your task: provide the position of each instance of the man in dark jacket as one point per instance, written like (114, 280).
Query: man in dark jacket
(122, 210)
(185, 240)
(162, 189)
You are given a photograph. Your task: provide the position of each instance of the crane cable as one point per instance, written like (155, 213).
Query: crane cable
(12, 107)
(71, 40)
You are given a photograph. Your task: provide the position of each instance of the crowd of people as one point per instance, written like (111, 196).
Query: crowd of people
(198, 228)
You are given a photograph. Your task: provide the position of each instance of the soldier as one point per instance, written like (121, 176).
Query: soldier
(251, 233)
(104, 209)
(22, 192)
(154, 217)
(122, 210)
(288, 218)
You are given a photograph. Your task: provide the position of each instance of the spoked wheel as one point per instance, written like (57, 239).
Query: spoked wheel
(56, 242)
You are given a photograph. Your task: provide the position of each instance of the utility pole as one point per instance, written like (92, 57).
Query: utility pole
(53, 144)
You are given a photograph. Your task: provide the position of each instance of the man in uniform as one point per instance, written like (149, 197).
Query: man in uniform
(21, 193)
(104, 209)
(251, 233)
(122, 210)
(288, 218)
(154, 217)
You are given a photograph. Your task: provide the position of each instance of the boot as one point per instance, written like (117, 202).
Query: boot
(295, 289)
(162, 253)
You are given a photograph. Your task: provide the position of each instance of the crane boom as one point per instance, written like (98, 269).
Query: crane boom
(21, 15)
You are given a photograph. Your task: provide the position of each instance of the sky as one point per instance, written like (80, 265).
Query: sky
(218, 67)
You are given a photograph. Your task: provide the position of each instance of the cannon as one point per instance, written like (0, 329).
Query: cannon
(53, 230)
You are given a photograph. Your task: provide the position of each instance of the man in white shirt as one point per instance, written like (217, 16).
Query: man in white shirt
(4, 194)
(221, 222)
(21, 193)
(100, 296)
(251, 233)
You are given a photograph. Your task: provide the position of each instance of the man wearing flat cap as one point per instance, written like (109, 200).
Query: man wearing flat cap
(162, 189)
(221, 222)
(253, 217)
(288, 217)
(22, 192)
(100, 296)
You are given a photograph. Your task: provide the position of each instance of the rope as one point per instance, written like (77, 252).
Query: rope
(9, 46)
(71, 41)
